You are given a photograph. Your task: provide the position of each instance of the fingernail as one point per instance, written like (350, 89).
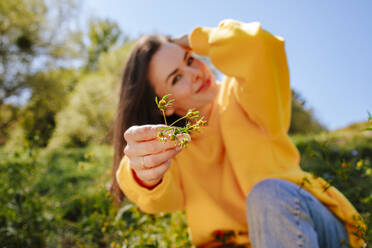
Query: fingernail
(178, 148)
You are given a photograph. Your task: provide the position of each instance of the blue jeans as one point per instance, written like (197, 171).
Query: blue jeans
(281, 214)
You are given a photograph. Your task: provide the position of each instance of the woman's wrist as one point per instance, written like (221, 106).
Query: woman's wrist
(145, 184)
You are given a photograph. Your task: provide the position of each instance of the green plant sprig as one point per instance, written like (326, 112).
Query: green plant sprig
(163, 105)
(179, 135)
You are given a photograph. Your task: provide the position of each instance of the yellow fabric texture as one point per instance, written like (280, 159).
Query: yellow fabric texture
(245, 141)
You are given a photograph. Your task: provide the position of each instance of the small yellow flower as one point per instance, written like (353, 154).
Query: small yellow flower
(162, 104)
(161, 137)
(184, 143)
(359, 163)
(103, 229)
(192, 114)
(88, 155)
(196, 128)
(201, 122)
(113, 244)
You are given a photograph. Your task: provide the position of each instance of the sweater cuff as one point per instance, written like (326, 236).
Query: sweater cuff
(198, 40)
(132, 189)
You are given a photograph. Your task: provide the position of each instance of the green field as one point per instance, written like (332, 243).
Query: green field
(60, 198)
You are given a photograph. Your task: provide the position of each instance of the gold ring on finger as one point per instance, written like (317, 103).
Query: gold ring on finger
(143, 162)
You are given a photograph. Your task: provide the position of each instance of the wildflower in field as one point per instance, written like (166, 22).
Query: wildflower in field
(88, 155)
(359, 163)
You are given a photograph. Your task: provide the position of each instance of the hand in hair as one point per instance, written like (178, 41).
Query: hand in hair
(148, 158)
(183, 41)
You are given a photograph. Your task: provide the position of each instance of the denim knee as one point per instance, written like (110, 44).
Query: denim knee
(281, 212)
(269, 190)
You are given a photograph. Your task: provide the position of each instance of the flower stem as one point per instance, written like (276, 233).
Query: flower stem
(177, 121)
(165, 119)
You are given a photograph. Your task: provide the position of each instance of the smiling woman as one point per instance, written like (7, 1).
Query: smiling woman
(175, 71)
(240, 177)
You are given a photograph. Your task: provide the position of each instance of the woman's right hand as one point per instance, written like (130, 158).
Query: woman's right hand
(183, 41)
(148, 157)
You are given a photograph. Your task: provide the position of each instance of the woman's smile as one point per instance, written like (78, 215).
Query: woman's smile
(205, 85)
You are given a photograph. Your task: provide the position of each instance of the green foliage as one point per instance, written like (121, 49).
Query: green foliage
(28, 33)
(103, 34)
(344, 159)
(89, 110)
(8, 119)
(303, 120)
(36, 41)
(58, 199)
(50, 90)
(23, 222)
(19, 20)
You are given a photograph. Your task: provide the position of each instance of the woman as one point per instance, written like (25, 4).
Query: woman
(240, 175)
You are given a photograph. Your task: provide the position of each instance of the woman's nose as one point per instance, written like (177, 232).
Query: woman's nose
(195, 74)
(196, 77)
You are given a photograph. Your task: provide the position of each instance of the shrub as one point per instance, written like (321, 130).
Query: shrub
(60, 198)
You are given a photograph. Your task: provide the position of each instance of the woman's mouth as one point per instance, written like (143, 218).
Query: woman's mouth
(205, 85)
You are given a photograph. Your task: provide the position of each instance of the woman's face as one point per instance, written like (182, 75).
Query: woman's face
(190, 82)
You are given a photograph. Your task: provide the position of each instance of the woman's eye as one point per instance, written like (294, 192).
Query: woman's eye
(176, 78)
(190, 60)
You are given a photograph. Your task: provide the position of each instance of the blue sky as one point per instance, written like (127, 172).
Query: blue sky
(328, 43)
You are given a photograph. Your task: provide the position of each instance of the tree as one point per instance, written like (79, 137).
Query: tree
(303, 120)
(19, 39)
(103, 34)
(30, 38)
(89, 112)
(51, 89)
(34, 38)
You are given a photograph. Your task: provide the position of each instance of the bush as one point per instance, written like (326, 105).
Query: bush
(345, 163)
(89, 111)
(60, 198)
(23, 219)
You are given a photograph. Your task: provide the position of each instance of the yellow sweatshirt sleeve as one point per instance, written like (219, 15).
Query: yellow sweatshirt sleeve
(257, 60)
(165, 197)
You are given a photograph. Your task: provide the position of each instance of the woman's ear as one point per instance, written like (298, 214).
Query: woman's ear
(169, 111)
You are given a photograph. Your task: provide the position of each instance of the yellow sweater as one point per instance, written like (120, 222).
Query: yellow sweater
(245, 141)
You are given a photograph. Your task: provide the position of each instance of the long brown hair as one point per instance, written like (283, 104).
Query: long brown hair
(136, 99)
